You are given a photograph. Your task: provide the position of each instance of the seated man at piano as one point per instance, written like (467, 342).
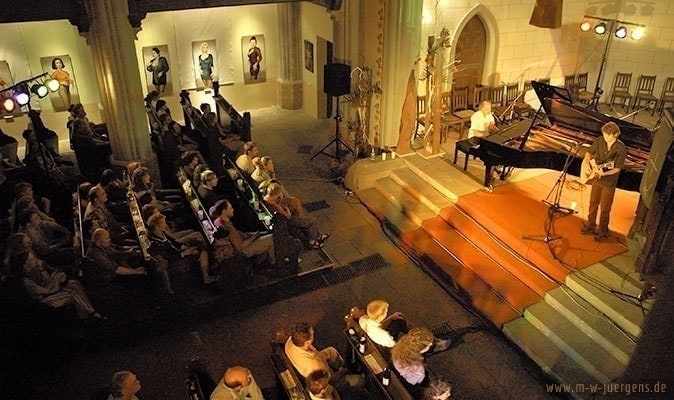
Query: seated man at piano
(482, 122)
(605, 158)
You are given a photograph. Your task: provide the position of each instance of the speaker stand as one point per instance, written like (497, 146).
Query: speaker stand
(337, 140)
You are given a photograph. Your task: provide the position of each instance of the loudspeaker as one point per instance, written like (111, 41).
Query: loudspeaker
(336, 79)
(547, 14)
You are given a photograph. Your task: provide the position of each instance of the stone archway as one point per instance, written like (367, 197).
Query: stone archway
(471, 46)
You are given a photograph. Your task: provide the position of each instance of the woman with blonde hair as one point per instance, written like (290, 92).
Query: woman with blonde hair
(408, 354)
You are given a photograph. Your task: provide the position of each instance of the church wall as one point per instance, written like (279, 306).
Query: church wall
(317, 27)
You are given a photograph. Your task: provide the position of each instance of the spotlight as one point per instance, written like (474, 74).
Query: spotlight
(40, 90)
(600, 28)
(21, 95)
(52, 84)
(585, 26)
(637, 33)
(621, 32)
(8, 105)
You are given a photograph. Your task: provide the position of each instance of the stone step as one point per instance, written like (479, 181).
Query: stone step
(504, 255)
(588, 354)
(550, 358)
(404, 200)
(455, 277)
(607, 292)
(384, 210)
(420, 189)
(498, 277)
(591, 322)
(444, 178)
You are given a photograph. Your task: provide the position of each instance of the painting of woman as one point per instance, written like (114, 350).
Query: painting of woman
(64, 79)
(158, 66)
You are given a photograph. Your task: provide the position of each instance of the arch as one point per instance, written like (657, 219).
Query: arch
(491, 26)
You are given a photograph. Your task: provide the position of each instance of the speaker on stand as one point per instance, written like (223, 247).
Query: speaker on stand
(336, 82)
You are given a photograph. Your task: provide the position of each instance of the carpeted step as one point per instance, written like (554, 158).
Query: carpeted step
(586, 353)
(420, 189)
(450, 273)
(591, 322)
(384, 210)
(608, 293)
(498, 277)
(401, 198)
(533, 276)
(551, 359)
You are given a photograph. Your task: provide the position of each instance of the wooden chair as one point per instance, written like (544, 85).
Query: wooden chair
(621, 89)
(459, 113)
(667, 95)
(511, 92)
(584, 96)
(480, 94)
(421, 114)
(544, 80)
(496, 95)
(570, 85)
(523, 109)
(644, 93)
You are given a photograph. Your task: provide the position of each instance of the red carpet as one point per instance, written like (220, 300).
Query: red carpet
(515, 210)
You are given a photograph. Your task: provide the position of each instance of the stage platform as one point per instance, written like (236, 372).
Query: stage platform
(489, 248)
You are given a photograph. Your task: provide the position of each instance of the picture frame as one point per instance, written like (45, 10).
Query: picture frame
(67, 93)
(204, 54)
(156, 78)
(309, 56)
(252, 54)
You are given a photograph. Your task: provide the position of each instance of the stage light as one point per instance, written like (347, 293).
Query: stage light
(8, 105)
(600, 28)
(585, 26)
(52, 84)
(621, 32)
(21, 95)
(637, 33)
(40, 90)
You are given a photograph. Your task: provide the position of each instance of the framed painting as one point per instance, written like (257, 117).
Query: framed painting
(252, 51)
(204, 53)
(60, 67)
(157, 64)
(308, 56)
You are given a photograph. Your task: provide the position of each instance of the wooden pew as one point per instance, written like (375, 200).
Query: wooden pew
(288, 381)
(227, 115)
(200, 212)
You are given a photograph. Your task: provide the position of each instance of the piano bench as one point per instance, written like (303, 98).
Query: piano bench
(467, 147)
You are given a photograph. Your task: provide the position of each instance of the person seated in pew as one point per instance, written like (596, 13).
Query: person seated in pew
(97, 215)
(407, 355)
(264, 169)
(143, 189)
(44, 284)
(166, 250)
(304, 227)
(112, 262)
(113, 186)
(51, 242)
(438, 389)
(237, 383)
(228, 143)
(124, 385)
(22, 189)
(306, 358)
(245, 160)
(251, 245)
(83, 193)
(208, 189)
(319, 387)
(27, 204)
(186, 142)
(189, 161)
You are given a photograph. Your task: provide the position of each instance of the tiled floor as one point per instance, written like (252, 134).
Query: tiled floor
(485, 366)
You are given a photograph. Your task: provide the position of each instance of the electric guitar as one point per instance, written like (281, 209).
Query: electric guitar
(589, 175)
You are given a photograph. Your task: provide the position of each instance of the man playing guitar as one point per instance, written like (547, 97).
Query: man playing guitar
(605, 158)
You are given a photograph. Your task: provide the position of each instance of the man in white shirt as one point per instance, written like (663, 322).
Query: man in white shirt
(237, 384)
(381, 329)
(482, 121)
(303, 355)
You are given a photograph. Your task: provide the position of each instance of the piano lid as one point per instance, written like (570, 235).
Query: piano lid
(560, 110)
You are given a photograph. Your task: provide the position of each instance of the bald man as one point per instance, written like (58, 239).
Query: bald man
(237, 384)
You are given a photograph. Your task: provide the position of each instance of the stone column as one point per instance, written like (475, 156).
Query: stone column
(111, 38)
(402, 30)
(290, 71)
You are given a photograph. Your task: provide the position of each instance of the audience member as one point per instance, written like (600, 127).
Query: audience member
(249, 244)
(50, 241)
(22, 189)
(407, 355)
(381, 329)
(86, 144)
(217, 137)
(264, 169)
(97, 215)
(110, 262)
(438, 389)
(143, 188)
(113, 186)
(124, 386)
(245, 160)
(319, 387)
(305, 357)
(237, 384)
(208, 189)
(43, 284)
(302, 225)
(189, 161)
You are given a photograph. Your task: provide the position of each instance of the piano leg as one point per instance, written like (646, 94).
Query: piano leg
(488, 168)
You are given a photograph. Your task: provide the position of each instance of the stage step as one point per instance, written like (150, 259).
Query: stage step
(455, 277)
(611, 294)
(501, 279)
(386, 211)
(550, 358)
(495, 248)
(443, 176)
(587, 354)
(420, 189)
(591, 322)
(404, 200)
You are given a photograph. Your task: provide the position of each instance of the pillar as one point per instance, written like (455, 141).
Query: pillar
(402, 30)
(111, 38)
(290, 71)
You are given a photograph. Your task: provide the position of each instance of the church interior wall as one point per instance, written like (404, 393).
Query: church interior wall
(317, 28)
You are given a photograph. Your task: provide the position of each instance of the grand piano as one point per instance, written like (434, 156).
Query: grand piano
(567, 130)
